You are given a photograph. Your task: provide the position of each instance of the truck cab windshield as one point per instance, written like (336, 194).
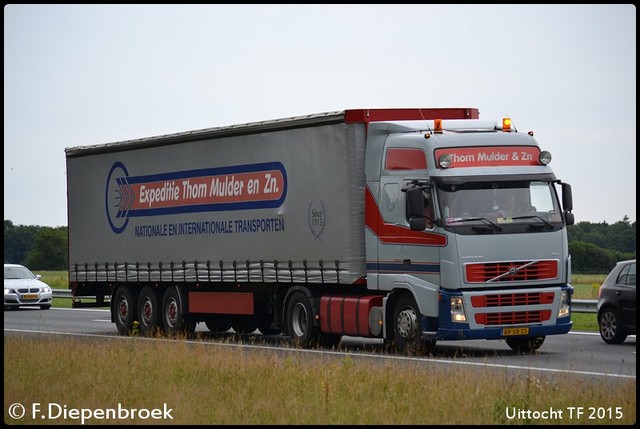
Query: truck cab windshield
(518, 206)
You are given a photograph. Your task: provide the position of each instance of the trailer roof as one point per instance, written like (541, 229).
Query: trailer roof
(344, 116)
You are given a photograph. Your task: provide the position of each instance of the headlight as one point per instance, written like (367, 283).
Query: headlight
(457, 310)
(7, 290)
(544, 157)
(444, 161)
(46, 289)
(564, 304)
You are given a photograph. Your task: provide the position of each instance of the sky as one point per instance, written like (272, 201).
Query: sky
(79, 75)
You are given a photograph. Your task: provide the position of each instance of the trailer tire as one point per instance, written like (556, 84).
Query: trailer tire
(524, 344)
(173, 317)
(149, 312)
(407, 332)
(300, 327)
(124, 310)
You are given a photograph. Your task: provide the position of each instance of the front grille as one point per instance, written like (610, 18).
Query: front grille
(29, 290)
(511, 271)
(512, 317)
(510, 299)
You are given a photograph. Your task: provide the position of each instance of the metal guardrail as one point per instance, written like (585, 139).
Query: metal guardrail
(61, 293)
(584, 305)
(78, 302)
(577, 305)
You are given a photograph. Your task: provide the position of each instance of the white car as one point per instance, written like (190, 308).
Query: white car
(23, 288)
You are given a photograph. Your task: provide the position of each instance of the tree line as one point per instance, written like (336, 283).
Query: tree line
(594, 247)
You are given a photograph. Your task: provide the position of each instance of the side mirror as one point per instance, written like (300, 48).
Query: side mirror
(567, 198)
(569, 218)
(415, 203)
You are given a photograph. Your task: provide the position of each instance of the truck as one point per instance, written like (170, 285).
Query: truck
(395, 224)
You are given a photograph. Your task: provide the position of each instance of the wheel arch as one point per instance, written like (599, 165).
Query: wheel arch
(607, 306)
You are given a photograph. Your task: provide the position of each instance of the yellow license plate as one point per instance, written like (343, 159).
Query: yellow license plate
(30, 296)
(508, 332)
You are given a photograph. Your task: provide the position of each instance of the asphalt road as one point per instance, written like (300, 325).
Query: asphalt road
(582, 354)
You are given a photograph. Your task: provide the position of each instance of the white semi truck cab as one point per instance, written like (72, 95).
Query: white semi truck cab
(466, 215)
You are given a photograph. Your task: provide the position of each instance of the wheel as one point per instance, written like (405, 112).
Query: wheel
(524, 344)
(407, 332)
(173, 320)
(148, 311)
(45, 306)
(243, 324)
(300, 327)
(124, 310)
(610, 327)
(218, 323)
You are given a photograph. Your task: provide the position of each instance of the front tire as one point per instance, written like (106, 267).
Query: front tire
(524, 344)
(407, 330)
(610, 327)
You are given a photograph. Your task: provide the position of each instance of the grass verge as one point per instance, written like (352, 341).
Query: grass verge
(202, 384)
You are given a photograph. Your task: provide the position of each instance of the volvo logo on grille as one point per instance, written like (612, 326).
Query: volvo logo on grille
(513, 271)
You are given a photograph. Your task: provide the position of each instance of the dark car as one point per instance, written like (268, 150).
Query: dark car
(617, 303)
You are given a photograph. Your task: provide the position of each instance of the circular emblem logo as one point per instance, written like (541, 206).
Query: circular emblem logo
(317, 217)
(116, 198)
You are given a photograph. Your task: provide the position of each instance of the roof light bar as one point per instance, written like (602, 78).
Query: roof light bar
(506, 124)
(437, 125)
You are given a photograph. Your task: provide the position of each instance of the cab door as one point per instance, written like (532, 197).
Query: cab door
(406, 258)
